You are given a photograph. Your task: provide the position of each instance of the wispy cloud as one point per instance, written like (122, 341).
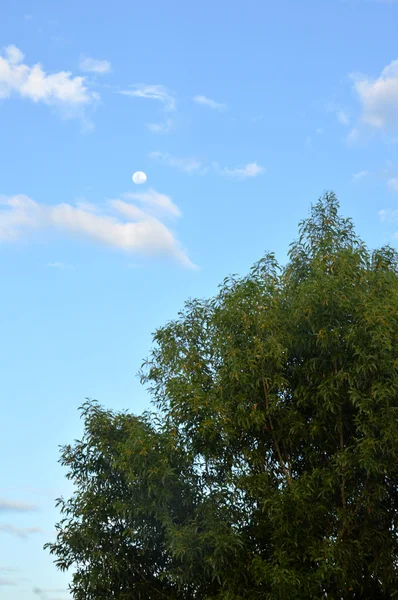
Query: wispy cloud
(53, 591)
(141, 233)
(153, 92)
(393, 183)
(155, 202)
(188, 165)
(209, 102)
(161, 127)
(14, 506)
(47, 593)
(359, 175)
(341, 114)
(93, 65)
(60, 265)
(21, 532)
(192, 165)
(342, 117)
(388, 215)
(68, 94)
(242, 172)
(6, 582)
(379, 99)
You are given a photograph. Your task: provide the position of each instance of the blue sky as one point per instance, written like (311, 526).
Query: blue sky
(241, 114)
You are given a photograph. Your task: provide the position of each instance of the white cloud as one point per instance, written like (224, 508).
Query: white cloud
(209, 102)
(128, 210)
(153, 92)
(319, 131)
(155, 201)
(88, 206)
(13, 506)
(14, 55)
(68, 94)
(188, 165)
(141, 233)
(359, 175)
(161, 127)
(22, 532)
(393, 184)
(379, 98)
(93, 65)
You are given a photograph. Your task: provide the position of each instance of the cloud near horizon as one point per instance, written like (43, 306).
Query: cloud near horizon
(140, 232)
(39, 591)
(63, 91)
(14, 506)
(21, 532)
(6, 582)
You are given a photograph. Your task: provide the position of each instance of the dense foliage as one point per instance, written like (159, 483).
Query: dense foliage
(269, 467)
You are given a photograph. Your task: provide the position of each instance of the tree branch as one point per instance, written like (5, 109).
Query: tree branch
(343, 498)
(281, 462)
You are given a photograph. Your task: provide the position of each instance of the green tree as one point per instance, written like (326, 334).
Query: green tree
(269, 468)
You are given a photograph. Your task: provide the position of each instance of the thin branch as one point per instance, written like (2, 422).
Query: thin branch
(343, 495)
(282, 464)
(343, 498)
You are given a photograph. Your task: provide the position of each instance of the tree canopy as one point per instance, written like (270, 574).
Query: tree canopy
(268, 468)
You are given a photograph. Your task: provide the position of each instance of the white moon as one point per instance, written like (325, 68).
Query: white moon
(139, 177)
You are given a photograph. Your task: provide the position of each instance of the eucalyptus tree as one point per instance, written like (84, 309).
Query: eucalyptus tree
(268, 468)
